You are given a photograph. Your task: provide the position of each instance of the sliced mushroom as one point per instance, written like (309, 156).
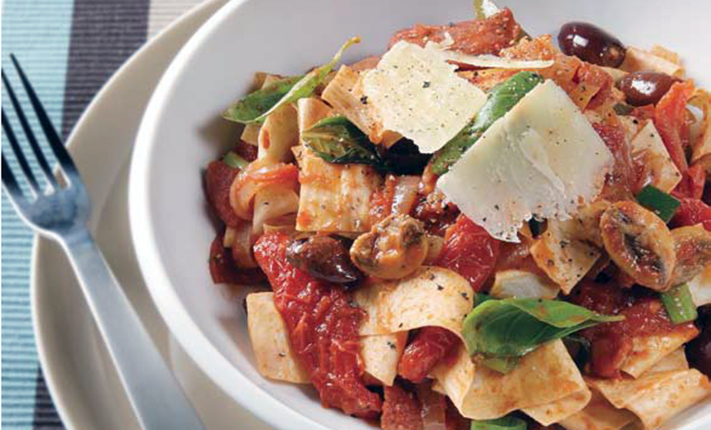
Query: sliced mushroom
(394, 248)
(693, 253)
(639, 243)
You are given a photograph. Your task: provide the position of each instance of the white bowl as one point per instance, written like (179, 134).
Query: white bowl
(183, 130)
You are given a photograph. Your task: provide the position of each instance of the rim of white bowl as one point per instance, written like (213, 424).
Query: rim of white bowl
(175, 315)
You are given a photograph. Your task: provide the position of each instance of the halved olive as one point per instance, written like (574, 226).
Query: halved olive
(323, 257)
(591, 43)
(645, 88)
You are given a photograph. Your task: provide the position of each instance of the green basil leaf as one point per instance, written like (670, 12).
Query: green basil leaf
(256, 106)
(515, 327)
(339, 141)
(503, 423)
(501, 99)
(258, 102)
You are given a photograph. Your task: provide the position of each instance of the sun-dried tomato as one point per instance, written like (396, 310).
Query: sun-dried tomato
(246, 151)
(487, 36)
(218, 180)
(430, 345)
(401, 410)
(470, 251)
(323, 329)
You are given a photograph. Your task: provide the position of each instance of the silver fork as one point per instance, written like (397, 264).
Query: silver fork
(61, 213)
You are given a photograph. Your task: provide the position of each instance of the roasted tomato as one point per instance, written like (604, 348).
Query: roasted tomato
(488, 36)
(218, 180)
(323, 329)
(692, 212)
(401, 410)
(430, 345)
(670, 120)
(469, 251)
(224, 270)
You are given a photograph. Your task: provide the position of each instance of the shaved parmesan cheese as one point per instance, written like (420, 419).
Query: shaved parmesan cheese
(542, 158)
(492, 61)
(418, 94)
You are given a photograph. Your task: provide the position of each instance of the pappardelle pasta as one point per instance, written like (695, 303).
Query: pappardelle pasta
(477, 229)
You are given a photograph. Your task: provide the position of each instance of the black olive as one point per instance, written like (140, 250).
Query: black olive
(404, 158)
(323, 257)
(646, 88)
(698, 352)
(591, 43)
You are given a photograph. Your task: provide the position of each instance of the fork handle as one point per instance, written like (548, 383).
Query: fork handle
(155, 395)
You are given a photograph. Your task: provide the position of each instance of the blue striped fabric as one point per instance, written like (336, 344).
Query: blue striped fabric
(68, 48)
(38, 33)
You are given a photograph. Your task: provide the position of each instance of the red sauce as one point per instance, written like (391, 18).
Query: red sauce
(595, 77)
(224, 270)
(218, 179)
(430, 345)
(401, 410)
(470, 251)
(323, 329)
(692, 212)
(488, 36)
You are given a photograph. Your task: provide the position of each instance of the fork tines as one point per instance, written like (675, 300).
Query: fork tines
(52, 137)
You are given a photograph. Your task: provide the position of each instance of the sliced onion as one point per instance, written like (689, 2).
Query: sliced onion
(273, 202)
(434, 408)
(405, 194)
(253, 178)
(242, 246)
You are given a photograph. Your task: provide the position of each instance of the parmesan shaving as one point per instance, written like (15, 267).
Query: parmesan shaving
(417, 94)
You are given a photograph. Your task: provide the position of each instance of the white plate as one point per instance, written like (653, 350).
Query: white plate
(81, 378)
(183, 130)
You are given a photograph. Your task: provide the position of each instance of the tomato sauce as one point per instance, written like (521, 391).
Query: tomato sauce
(692, 183)
(323, 329)
(470, 251)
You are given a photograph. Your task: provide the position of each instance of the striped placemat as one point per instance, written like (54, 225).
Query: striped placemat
(69, 48)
